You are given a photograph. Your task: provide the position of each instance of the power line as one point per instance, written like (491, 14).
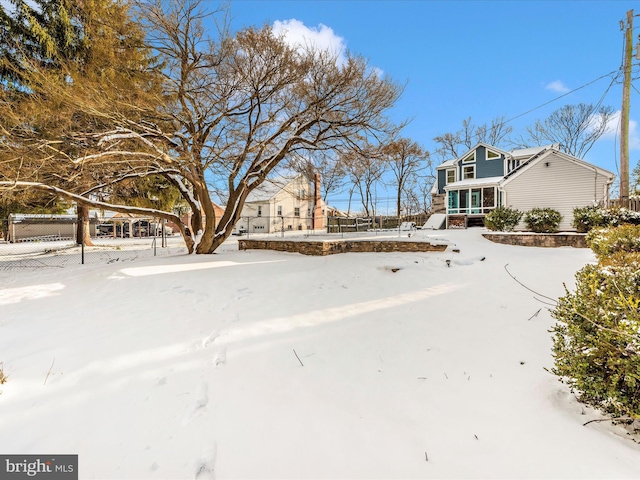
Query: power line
(568, 93)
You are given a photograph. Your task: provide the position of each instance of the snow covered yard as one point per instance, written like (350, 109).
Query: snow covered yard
(260, 364)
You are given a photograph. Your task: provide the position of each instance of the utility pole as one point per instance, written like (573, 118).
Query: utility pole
(624, 115)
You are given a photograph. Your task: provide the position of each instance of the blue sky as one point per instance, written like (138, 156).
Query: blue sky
(479, 59)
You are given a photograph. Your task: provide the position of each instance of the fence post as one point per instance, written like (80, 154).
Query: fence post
(82, 240)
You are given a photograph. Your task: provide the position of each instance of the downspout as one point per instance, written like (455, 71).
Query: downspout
(605, 197)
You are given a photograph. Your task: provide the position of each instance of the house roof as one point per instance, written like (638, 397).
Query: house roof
(270, 188)
(446, 164)
(454, 161)
(21, 217)
(485, 145)
(552, 150)
(529, 152)
(474, 182)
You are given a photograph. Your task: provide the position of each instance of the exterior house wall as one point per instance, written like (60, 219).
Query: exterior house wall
(442, 181)
(438, 203)
(562, 185)
(486, 168)
(298, 193)
(251, 222)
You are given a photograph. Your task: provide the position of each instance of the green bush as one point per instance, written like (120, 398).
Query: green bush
(542, 220)
(597, 335)
(620, 216)
(587, 218)
(606, 242)
(597, 344)
(502, 219)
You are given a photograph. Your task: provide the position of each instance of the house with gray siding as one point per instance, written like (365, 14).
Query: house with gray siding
(485, 177)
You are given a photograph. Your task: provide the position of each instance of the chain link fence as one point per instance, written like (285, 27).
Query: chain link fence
(54, 241)
(46, 241)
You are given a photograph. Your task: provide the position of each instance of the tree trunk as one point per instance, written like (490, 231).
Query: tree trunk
(214, 236)
(83, 233)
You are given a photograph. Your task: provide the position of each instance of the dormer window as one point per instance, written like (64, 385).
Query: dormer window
(491, 155)
(470, 158)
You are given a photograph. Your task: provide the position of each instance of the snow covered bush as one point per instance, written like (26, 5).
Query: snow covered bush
(597, 335)
(597, 338)
(3, 377)
(502, 219)
(620, 216)
(542, 220)
(608, 241)
(586, 218)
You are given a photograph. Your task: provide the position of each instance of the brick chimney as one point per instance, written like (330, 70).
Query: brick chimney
(318, 217)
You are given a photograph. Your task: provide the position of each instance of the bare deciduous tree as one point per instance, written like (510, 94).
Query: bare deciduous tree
(450, 145)
(235, 107)
(326, 164)
(406, 159)
(574, 127)
(365, 167)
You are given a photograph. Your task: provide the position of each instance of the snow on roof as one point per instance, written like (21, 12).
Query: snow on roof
(269, 188)
(445, 164)
(472, 182)
(20, 217)
(528, 152)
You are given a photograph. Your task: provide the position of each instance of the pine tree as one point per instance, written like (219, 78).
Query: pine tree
(68, 70)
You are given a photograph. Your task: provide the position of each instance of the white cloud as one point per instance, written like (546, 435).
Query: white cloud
(613, 131)
(322, 37)
(557, 86)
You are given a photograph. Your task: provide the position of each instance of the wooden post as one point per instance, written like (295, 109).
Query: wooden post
(624, 115)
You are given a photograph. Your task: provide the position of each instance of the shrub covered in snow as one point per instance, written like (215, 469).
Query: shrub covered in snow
(597, 334)
(502, 219)
(587, 218)
(543, 220)
(606, 242)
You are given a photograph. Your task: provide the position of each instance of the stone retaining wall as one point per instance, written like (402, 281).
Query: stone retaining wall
(331, 247)
(576, 240)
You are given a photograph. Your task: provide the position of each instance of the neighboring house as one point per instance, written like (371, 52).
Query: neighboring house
(283, 203)
(485, 177)
(23, 227)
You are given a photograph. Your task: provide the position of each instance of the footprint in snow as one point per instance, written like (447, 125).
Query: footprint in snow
(209, 339)
(242, 292)
(200, 401)
(205, 468)
(221, 357)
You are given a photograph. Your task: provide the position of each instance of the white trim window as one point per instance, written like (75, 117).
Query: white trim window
(491, 155)
(259, 210)
(468, 172)
(450, 176)
(296, 211)
(470, 158)
(279, 210)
